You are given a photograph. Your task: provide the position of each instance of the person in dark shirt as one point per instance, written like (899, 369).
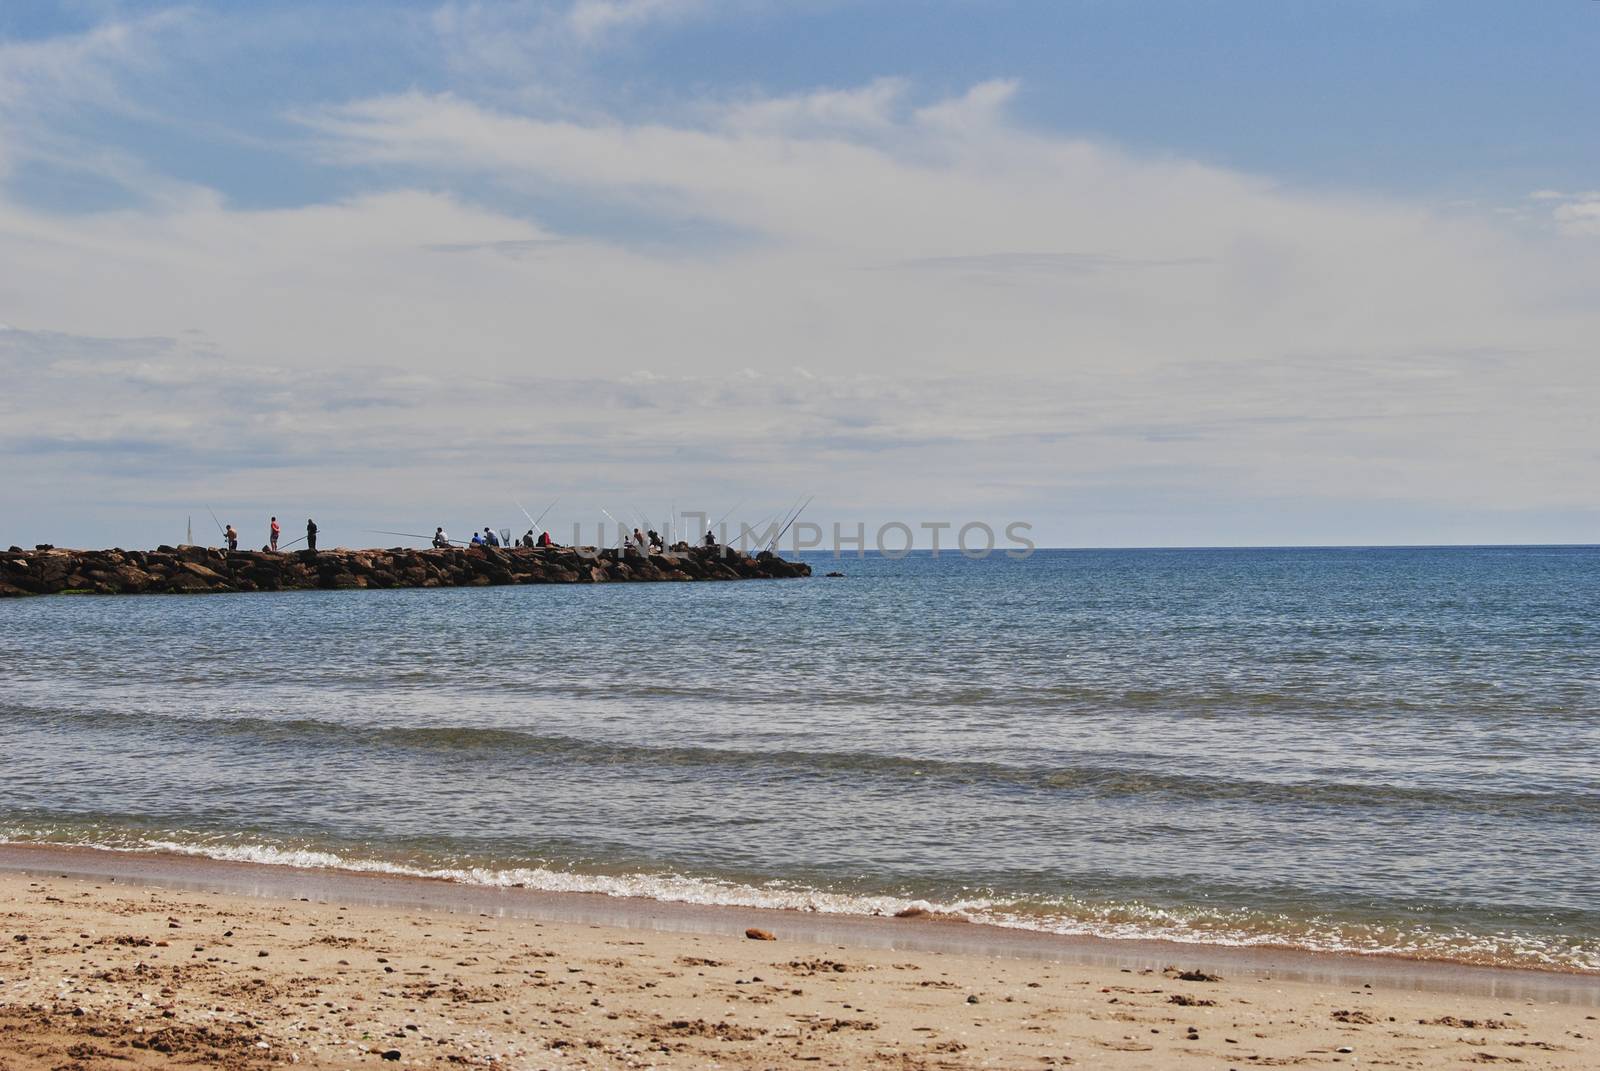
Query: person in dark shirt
(311, 534)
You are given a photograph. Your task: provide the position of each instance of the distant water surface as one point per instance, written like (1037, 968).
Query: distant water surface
(1379, 750)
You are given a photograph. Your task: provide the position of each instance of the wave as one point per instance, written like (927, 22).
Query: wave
(1099, 780)
(1116, 920)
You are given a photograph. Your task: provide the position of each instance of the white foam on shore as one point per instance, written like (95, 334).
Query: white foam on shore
(672, 888)
(1067, 917)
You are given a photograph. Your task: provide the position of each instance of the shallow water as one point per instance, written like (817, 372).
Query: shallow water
(1375, 750)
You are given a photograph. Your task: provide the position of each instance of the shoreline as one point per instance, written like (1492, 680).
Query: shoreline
(156, 969)
(927, 934)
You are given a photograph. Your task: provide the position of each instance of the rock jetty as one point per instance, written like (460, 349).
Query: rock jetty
(189, 569)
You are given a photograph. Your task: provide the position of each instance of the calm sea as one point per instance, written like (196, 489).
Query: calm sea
(1368, 749)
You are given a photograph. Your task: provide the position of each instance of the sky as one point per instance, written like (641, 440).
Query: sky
(1159, 274)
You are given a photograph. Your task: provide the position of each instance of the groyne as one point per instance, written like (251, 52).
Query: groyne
(193, 569)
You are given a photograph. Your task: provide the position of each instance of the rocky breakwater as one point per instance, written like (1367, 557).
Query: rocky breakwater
(177, 570)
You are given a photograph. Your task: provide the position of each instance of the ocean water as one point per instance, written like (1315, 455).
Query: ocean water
(1376, 750)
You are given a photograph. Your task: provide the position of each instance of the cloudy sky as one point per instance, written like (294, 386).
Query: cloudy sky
(1271, 272)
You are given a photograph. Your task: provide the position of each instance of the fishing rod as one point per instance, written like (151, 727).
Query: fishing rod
(535, 521)
(620, 527)
(525, 513)
(779, 539)
(292, 542)
(408, 535)
(784, 517)
(717, 527)
(218, 523)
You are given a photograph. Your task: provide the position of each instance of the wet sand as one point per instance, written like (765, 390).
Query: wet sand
(109, 960)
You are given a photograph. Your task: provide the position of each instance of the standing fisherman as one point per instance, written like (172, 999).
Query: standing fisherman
(273, 542)
(232, 537)
(311, 534)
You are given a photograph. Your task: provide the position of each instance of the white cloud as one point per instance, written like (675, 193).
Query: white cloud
(60, 70)
(1580, 214)
(869, 108)
(531, 44)
(1573, 214)
(978, 109)
(590, 19)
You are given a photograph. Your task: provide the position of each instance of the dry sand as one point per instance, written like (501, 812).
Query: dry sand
(102, 973)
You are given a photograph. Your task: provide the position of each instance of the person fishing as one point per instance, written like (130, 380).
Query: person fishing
(272, 541)
(489, 538)
(655, 540)
(545, 540)
(527, 539)
(440, 540)
(639, 542)
(477, 539)
(711, 539)
(232, 537)
(311, 534)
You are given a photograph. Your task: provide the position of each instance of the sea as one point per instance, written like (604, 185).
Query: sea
(1368, 750)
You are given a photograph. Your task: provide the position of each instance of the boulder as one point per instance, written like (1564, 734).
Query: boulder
(204, 572)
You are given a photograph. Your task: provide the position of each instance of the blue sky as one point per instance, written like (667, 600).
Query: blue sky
(1473, 99)
(1142, 274)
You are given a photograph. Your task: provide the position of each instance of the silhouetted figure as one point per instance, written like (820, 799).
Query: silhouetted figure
(711, 539)
(311, 534)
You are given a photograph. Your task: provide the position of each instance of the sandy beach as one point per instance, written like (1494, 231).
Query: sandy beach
(108, 971)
